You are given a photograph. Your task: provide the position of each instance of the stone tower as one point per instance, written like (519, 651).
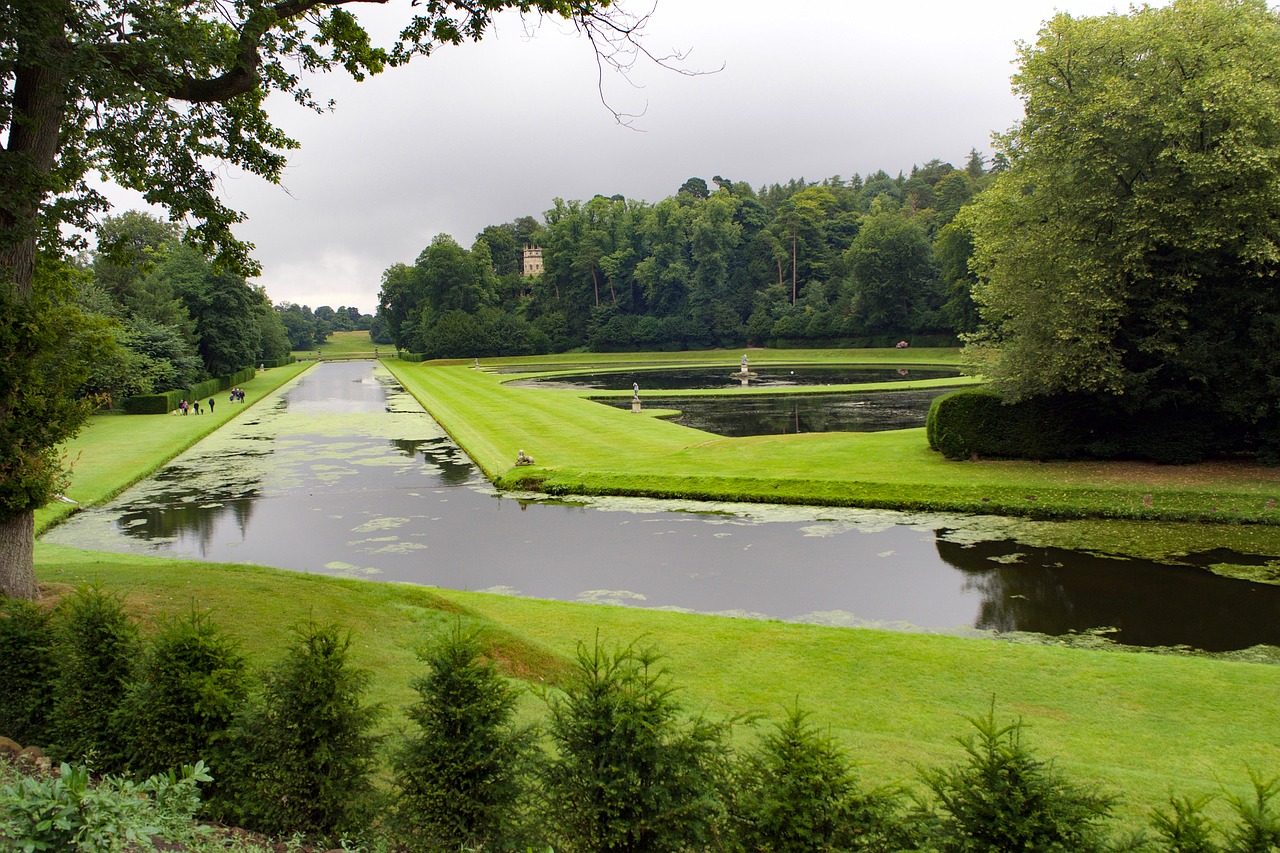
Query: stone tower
(532, 261)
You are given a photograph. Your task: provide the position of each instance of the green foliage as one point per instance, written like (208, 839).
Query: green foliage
(70, 812)
(300, 756)
(27, 671)
(151, 404)
(797, 791)
(459, 774)
(629, 772)
(38, 376)
(982, 422)
(1257, 825)
(184, 694)
(1003, 798)
(979, 422)
(1129, 252)
(96, 649)
(1184, 827)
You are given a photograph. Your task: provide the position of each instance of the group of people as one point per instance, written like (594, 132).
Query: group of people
(185, 408)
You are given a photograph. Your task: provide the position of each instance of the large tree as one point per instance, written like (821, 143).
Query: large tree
(156, 96)
(1131, 251)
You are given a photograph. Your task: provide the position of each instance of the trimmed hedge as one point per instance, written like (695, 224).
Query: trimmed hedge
(413, 356)
(152, 404)
(166, 401)
(279, 362)
(977, 422)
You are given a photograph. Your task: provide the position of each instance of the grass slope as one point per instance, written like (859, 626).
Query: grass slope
(114, 451)
(584, 447)
(1136, 723)
(1140, 725)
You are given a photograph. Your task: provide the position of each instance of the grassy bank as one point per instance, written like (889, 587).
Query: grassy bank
(1136, 724)
(1139, 724)
(114, 451)
(583, 447)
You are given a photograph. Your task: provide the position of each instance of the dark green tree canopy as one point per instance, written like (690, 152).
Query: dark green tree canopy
(1132, 247)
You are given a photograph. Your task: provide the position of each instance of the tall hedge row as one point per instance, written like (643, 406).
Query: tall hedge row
(977, 422)
(166, 401)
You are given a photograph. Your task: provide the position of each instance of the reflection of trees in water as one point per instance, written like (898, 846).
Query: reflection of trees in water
(1056, 591)
(453, 465)
(186, 521)
(784, 415)
(1021, 596)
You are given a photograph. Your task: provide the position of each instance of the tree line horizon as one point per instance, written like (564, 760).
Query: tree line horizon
(837, 262)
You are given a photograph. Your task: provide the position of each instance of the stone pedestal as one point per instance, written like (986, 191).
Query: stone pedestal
(635, 405)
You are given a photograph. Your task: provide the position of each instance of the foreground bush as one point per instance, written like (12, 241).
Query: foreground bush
(1004, 798)
(69, 812)
(27, 671)
(97, 644)
(183, 698)
(628, 770)
(300, 757)
(797, 792)
(460, 771)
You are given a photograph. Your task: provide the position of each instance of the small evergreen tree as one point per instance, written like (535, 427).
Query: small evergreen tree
(459, 772)
(97, 644)
(300, 756)
(27, 671)
(797, 791)
(1184, 828)
(629, 773)
(1257, 827)
(1004, 798)
(187, 690)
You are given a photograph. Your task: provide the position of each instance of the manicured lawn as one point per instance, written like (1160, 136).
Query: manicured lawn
(1137, 724)
(343, 344)
(115, 451)
(587, 448)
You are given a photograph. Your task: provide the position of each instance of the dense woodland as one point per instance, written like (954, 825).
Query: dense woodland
(157, 314)
(837, 262)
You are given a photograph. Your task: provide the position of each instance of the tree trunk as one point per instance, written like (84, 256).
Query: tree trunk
(41, 74)
(17, 555)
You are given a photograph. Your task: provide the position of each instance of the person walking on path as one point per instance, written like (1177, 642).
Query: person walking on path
(211, 405)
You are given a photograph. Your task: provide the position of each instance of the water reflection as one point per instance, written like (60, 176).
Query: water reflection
(1054, 591)
(778, 414)
(343, 473)
(708, 378)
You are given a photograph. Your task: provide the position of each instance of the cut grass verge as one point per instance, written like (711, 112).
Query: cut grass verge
(1136, 724)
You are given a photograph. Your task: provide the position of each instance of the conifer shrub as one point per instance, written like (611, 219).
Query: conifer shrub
(1004, 798)
(300, 755)
(629, 771)
(27, 671)
(183, 697)
(97, 644)
(461, 771)
(798, 791)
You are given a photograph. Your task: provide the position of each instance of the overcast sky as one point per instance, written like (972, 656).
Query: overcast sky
(484, 133)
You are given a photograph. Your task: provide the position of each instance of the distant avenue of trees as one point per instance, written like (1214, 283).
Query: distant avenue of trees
(158, 314)
(865, 260)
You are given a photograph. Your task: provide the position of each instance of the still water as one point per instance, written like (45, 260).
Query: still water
(711, 378)
(343, 473)
(784, 414)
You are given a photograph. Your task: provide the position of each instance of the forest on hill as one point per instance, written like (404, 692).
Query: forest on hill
(863, 261)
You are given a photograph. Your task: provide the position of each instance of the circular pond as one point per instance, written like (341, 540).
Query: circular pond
(778, 414)
(712, 378)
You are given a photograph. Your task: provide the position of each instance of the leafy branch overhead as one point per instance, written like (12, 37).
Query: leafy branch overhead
(157, 96)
